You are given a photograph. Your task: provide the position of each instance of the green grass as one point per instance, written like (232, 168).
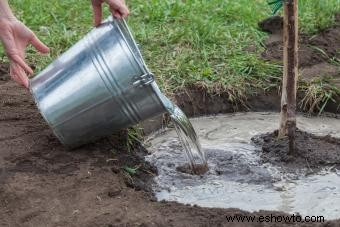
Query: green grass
(185, 42)
(318, 93)
(204, 43)
(317, 14)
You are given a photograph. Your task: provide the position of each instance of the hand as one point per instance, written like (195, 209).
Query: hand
(118, 9)
(15, 37)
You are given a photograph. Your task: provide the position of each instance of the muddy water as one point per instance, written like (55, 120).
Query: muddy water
(236, 176)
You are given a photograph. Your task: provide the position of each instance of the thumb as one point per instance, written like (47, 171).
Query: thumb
(40, 46)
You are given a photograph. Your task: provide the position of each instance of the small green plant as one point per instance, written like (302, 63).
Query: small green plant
(134, 136)
(335, 61)
(131, 170)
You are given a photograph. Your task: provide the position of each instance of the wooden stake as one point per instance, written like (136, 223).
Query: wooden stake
(290, 72)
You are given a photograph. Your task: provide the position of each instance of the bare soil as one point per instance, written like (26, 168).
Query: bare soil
(315, 52)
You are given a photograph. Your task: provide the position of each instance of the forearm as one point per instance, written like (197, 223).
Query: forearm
(5, 10)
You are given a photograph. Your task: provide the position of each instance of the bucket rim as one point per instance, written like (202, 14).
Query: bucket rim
(130, 41)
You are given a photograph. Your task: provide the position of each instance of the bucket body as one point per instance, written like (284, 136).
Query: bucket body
(99, 85)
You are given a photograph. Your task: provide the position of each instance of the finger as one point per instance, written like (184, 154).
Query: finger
(16, 79)
(18, 75)
(117, 15)
(23, 78)
(13, 74)
(40, 46)
(118, 10)
(17, 59)
(97, 12)
(124, 12)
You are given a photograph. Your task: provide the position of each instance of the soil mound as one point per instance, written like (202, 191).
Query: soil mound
(312, 152)
(313, 49)
(315, 52)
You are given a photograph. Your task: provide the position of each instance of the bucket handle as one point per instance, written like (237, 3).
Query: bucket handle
(143, 80)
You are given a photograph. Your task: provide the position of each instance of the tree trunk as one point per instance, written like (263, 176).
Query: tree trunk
(290, 72)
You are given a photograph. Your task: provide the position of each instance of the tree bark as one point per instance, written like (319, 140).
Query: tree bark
(290, 72)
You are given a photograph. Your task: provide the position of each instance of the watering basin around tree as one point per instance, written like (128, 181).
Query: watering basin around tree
(237, 176)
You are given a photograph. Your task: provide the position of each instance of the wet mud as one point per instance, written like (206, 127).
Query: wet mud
(240, 174)
(198, 169)
(312, 152)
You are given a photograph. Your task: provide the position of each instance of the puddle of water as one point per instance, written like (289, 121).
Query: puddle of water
(236, 177)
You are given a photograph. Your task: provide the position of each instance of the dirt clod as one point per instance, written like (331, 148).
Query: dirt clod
(272, 25)
(114, 192)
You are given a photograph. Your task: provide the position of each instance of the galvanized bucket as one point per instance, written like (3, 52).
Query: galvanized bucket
(99, 85)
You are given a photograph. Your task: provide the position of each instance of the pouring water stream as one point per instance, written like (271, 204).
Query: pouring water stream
(196, 157)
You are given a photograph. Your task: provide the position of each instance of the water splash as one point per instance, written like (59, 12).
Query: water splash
(196, 157)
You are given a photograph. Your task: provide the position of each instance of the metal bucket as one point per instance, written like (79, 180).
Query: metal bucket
(99, 85)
